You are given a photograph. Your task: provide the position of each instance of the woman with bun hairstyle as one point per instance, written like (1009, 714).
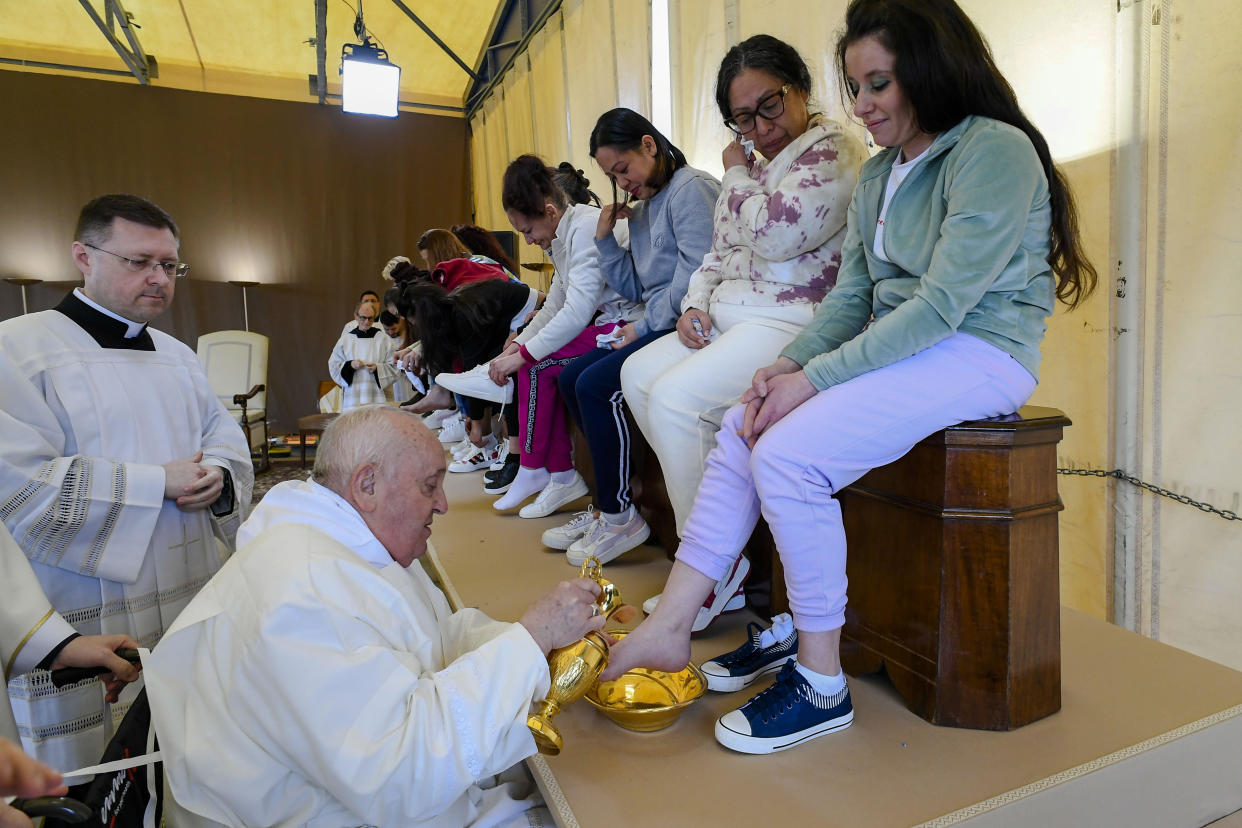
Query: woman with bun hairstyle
(776, 249)
(961, 237)
(668, 205)
(551, 208)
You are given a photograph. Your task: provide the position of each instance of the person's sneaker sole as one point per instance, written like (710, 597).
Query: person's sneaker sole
(731, 684)
(632, 542)
(743, 743)
(498, 489)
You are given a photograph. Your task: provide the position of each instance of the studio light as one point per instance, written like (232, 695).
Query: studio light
(370, 85)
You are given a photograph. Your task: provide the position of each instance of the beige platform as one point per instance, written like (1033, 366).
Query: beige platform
(1148, 735)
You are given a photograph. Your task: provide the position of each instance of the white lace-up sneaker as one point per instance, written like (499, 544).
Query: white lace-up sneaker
(476, 383)
(476, 460)
(554, 496)
(453, 430)
(727, 596)
(500, 461)
(439, 418)
(463, 447)
(606, 542)
(563, 536)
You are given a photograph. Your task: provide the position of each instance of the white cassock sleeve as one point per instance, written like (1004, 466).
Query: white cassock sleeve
(336, 361)
(383, 734)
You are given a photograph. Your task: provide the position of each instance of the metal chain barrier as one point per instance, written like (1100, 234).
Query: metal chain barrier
(1154, 489)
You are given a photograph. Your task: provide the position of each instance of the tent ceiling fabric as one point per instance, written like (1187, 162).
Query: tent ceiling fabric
(242, 47)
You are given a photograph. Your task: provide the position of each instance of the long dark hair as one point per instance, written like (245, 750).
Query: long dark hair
(429, 315)
(765, 53)
(484, 243)
(623, 130)
(432, 315)
(946, 70)
(529, 184)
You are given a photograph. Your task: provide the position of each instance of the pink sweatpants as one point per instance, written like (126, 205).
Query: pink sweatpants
(543, 421)
(824, 445)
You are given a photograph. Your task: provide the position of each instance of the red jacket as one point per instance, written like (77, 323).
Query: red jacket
(457, 272)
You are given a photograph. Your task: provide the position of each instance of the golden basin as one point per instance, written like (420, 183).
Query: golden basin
(645, 700)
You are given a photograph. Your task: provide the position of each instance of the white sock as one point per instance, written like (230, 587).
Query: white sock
(620, 518)
(563, 477)
(528, 482)
(827, 685)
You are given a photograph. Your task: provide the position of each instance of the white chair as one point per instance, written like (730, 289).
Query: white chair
(236, 366)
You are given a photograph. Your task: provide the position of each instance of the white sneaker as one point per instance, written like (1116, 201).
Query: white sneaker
(554, 496)
(500, 461)
(562, 537)
(439, 418)
(728, 595)
(477, 460)
(476, 383)
(453, 430)
(606, 542)
(464, 447)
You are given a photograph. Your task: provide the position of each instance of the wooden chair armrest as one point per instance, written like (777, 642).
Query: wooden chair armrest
(240, 399)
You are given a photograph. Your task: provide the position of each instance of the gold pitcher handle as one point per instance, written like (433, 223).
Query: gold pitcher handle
(593, 569)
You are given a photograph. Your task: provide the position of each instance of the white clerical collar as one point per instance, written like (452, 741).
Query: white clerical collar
(132, 328)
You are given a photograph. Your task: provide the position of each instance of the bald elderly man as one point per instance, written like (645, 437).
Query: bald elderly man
(321, 678)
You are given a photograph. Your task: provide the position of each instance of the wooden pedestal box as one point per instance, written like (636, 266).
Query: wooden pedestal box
(953, 573)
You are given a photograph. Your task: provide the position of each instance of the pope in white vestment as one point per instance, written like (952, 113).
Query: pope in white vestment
(86, 423)
(321, 678)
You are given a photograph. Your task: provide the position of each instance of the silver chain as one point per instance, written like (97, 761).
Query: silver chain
(1153, 488)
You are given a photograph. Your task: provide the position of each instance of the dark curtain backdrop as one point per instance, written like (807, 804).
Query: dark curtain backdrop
(306, 199)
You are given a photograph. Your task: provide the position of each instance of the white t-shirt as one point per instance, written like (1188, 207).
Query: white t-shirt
(901, 169)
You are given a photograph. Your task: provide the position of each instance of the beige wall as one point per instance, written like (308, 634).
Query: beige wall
(1105, 83)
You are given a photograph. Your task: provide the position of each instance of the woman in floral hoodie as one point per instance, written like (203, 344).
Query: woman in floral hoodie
(776, 247)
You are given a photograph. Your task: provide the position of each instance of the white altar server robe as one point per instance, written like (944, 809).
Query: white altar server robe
(29, 627)
(316, 682)
(84, 433)
(363, 387)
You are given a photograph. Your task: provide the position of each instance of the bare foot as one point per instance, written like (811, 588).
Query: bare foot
(649, 645)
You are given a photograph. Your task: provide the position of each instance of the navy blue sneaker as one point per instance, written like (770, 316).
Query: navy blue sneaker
(785, 715)
(762, 653)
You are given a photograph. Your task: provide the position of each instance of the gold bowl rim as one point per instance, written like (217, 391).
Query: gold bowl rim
(612, 711)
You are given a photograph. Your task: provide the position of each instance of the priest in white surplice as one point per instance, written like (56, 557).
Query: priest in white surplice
(361, 361)
(120, 470)
(321, 679)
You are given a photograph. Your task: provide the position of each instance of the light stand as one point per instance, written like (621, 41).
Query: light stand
(22, 282)
(245, 305)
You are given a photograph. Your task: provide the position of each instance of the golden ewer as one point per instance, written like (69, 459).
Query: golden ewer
(574, 668)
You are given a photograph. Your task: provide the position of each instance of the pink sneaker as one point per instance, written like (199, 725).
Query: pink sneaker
(727, 596)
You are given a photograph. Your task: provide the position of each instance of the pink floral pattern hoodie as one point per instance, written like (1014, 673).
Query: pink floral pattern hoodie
(779, 225)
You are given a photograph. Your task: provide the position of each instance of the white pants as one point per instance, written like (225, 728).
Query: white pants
(678, 394)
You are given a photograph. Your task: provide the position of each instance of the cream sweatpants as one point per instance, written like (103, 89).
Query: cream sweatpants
(678, 394)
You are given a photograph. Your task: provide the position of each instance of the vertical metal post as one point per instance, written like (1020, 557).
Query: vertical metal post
(1129, 232)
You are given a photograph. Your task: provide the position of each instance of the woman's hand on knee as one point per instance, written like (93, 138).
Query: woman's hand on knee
(759, 383)
(785, 392)
(691, 336)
